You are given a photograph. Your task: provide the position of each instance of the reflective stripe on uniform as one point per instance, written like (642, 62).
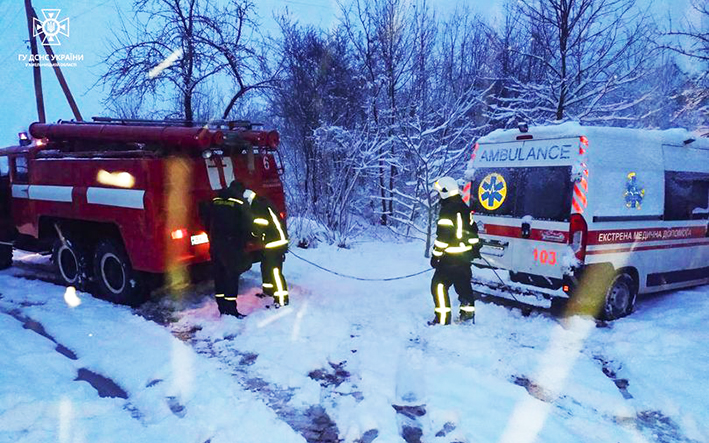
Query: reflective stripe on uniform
(459, 230)
(467, 308)
(437, 253)
(283, 240)
(458, 249)
(440, 244)
(267, 285)
(442, 309)
(261, 221)
(227, 202)
(473, 240)
(230, 298)
(219, 295)
(280, 293)
(446, 222)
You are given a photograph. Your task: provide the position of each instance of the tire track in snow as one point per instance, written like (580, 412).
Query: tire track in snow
(105, 386)
(312, 422)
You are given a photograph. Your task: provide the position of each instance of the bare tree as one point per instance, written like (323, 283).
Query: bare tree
(233, 33)
(588, 50)
(436, 143)
(380, 32)
(318, 99)
(691, 38)
(172, 48)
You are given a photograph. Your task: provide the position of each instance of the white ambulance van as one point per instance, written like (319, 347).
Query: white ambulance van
(603, 214)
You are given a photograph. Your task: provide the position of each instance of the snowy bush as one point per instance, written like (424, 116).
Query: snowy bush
(306, 233)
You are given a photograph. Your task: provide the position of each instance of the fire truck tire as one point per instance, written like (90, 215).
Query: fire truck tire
(5, 256)
(620, 297)
(71, 263)
(116, 280)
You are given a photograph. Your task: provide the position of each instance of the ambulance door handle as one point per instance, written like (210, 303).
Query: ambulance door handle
(526, 230)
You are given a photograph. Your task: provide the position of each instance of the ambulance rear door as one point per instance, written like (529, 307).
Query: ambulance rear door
(521, 193)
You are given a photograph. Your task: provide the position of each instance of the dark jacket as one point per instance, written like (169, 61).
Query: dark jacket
(268, 226)
(457, 240)
(229, 230)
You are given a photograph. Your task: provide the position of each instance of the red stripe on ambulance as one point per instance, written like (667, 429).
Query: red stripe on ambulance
(647, 248)
(644, 235)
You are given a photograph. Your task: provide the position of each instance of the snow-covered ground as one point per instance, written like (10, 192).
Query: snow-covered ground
(348, 361)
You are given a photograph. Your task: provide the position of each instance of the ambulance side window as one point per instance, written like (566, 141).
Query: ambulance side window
(21, 170)
(686, 196)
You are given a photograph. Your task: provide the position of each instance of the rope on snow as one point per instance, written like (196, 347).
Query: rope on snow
(359, 278)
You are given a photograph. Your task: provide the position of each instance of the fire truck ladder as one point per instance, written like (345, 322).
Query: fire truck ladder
(230, 124)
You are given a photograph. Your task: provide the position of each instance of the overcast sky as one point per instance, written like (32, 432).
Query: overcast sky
(91, 24)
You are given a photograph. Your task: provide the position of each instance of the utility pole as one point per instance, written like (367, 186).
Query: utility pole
(60, 77)
(35, 69)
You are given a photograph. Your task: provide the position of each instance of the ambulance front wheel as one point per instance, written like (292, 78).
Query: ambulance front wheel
(5, 256)
(115, 278)
(620, 297)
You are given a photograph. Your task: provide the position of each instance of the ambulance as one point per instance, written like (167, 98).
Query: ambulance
(595, 215)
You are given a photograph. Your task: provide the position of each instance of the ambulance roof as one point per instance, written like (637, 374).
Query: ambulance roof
(675, 136)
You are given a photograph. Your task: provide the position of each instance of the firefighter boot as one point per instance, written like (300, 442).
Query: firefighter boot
(467, 314)
(436, 321)
(227, 306)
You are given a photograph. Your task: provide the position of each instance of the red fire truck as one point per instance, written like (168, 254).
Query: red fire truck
(117, 201)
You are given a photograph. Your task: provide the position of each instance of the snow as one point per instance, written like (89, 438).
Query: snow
(571, 129)
(347, 352)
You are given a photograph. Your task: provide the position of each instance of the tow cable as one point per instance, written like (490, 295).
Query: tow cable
(359, 278)
(352, 277)
(509, 289)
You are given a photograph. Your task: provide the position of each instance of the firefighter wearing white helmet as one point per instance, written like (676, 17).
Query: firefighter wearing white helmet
(455, 247)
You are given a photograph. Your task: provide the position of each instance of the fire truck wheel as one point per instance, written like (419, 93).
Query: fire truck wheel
(5, 256)
(115, 278)
(70, 262)
(620, 297)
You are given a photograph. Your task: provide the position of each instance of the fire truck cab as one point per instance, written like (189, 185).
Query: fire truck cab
(116, 201)
(602, 214)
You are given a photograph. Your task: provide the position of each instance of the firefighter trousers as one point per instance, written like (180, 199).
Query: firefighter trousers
(460, 277)
(226, 287)
(272, 275)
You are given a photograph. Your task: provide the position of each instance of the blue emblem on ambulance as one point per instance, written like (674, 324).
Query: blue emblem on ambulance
(634, 192)
(492, 191)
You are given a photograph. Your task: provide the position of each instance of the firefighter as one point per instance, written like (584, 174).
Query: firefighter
(269, 230)
(455, 247)
(229, 228)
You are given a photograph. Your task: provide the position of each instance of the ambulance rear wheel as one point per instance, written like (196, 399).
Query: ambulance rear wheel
(5, 256)
(116, 280)
(620, 297)
(70, 262)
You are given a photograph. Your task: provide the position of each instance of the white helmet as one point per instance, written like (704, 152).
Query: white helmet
(446, 186)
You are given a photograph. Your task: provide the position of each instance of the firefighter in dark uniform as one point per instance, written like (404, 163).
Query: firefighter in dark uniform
(229, 230)
(269, 230)
(455, 247)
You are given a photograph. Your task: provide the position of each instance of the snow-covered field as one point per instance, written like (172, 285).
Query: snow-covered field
(348, 361)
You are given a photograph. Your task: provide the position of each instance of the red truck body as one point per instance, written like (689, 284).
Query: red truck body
(140, 186)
